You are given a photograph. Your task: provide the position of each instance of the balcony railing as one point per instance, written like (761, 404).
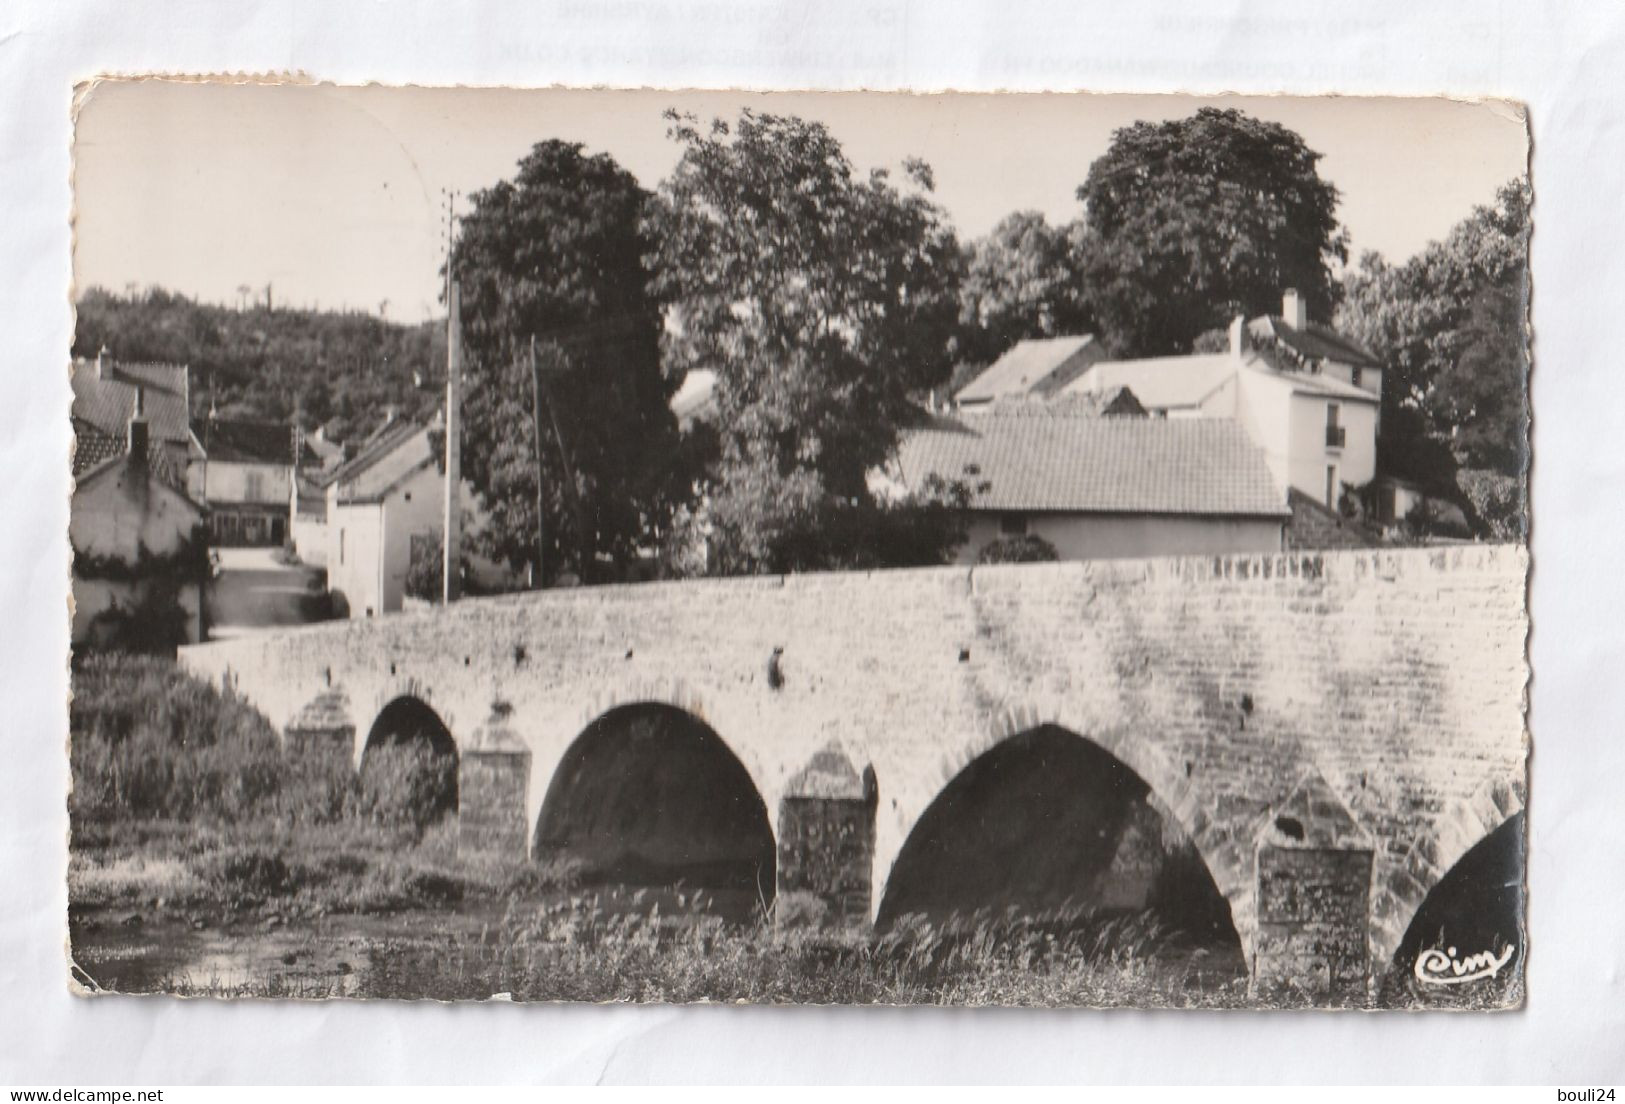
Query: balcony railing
(1336, 436)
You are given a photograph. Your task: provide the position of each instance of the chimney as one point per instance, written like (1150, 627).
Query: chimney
(1294, 310)
(138, 430)
(100, 353)
(1238, 336)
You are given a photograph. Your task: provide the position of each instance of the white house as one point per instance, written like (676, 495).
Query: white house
(1316, 425)
(377, 503)
(140, 555)
(1101, 486)
(248, 479)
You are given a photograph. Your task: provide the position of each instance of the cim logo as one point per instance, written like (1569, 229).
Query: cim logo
(1436, 967)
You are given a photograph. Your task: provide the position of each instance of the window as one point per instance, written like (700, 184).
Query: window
(1013, 525)
(1336, 435)
(1331, 486)
(253, 485)
(1354, 375)
(341, 546)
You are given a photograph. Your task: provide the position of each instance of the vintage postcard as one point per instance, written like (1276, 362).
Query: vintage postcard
(799, 548)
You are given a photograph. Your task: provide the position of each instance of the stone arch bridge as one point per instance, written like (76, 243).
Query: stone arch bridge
(1333, 731)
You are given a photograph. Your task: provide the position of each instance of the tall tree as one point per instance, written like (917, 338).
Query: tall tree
(1448, 324)
(554, 259)
(1195, 220)
(1023, 280)
(823, 301)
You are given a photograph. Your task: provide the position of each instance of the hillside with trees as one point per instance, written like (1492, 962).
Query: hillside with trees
(335, 368)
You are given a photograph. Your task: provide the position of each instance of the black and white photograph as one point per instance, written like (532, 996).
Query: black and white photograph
(799, 548)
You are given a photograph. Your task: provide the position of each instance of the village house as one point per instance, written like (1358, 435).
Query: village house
(307, 496)
(248, 478)
(1096, 485)
(140, 552)
(1308, 398)
(378, 503)
(105, 395)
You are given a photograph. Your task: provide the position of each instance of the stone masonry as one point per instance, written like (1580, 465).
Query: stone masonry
(1379, 694)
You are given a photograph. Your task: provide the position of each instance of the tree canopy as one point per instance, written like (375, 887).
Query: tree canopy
(340, 369)
(1193, 221)
(555, 257)
(1449, 324)
(823, 301)
(1025, 279)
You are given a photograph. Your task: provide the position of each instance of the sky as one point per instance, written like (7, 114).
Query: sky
(334, 195)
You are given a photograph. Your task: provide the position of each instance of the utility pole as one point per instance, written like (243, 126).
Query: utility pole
(541, 396)
(536, 427)
(452, 531)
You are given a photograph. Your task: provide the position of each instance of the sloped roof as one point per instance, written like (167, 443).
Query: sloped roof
(1037, 366)
(1160, 383)
(1313, 383)
(1314, 341)
(249, 442)
(393, 454)
(107, 400)
(1059, 462)
(94, 450)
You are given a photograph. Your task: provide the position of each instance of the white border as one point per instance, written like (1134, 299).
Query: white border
(1565, 59)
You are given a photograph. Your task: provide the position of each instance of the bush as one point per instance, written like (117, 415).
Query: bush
(1023, 549)
(407, 784)
(151, 742)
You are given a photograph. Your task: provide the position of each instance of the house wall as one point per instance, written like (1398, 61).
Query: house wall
(120, 512)
(1112, 537)
(1264, 407)
(1356, 461)
(417, 506)
(228, 481)
(309, 534)
(354, 537)
(1370, 378)
(376, 540)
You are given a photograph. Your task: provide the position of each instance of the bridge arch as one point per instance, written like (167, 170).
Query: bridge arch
(409, 758)
(1028, 771)
(1404, 886)
(650, 795)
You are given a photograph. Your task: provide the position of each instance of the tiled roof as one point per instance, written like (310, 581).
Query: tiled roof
(252, 442)
(94, 450)
(1160, 383)
(1113, 402)
(107, 400)
(1197, 466)
(1314, 341)
(400, 449)
(1038, 366)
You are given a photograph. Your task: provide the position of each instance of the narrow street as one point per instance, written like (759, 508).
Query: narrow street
(252, 591)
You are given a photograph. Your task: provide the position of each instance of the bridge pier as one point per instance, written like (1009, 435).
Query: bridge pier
(826, 839)
(324, 728)
(493, 789)
(1312, 941)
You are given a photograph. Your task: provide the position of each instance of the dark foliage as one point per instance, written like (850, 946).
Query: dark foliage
(552, 263)
(1023, 549)
(333, 368)
(1193, 221)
